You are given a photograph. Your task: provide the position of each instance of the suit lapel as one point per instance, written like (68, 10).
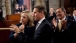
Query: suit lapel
(39, 27)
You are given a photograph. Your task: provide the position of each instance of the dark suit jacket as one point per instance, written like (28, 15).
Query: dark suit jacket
(25, 37)
(66, 36)
(43, 34)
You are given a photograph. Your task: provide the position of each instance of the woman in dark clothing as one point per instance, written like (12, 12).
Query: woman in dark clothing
(23, 32)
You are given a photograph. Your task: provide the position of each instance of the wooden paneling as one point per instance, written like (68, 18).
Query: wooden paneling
(15, 17)
(10, 19)
(70, 5)
(4, 36)
(7, 23)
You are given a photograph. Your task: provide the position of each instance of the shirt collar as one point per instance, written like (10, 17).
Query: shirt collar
(41, 20)
(63, 18)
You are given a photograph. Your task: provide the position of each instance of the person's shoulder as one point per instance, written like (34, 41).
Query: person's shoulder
(46, 25)
(45, 22)
(69, 18)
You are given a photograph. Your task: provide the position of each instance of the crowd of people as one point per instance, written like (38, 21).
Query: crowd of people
(19, 9)
(35, 27)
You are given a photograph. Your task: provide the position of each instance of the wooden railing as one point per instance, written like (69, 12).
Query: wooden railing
(10, 19)
(4, 35)
(4, 27)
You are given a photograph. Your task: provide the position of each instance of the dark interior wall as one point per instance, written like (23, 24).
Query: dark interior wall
(70, 5)
(0, 3)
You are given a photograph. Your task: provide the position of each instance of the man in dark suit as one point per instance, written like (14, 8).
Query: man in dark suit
(43, 31)
(65, 33)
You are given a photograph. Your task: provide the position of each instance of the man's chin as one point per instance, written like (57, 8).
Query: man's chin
(35, 19)
(58, 17)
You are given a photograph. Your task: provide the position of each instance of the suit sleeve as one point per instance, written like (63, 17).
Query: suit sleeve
(12, 36)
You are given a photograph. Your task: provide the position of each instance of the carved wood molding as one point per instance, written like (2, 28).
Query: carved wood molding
(39, 2)
(7, 7)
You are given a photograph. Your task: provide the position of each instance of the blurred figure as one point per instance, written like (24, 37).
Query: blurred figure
(64, 28)
(17, 9)
(51, 15)
(43, 31)
(23, 8)
(74, 15)
(23, 32)
(1, 14)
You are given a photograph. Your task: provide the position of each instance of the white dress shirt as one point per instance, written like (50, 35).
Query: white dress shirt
(39, 23)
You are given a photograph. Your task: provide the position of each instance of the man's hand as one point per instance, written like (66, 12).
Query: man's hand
(64, 24)
(54, 22)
